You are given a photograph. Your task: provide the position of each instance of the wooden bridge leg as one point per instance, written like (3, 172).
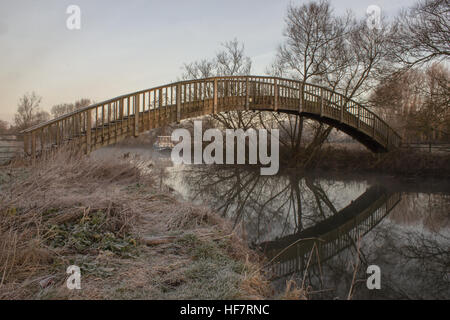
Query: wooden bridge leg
(58, 134)
(88, 131)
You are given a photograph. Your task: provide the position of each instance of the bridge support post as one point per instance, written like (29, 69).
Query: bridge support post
(341, 118)
(247, 102)
(136, 115)
(88, 131)
(215, 97)
(178, 103)
(57, 138)
(275, 94)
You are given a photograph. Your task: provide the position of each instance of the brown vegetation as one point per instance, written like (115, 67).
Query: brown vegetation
(98, 215)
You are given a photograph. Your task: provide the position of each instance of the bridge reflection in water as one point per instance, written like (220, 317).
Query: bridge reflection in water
(286, 216)
(327, 238)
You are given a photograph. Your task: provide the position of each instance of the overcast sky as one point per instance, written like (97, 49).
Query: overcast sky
(125, 46)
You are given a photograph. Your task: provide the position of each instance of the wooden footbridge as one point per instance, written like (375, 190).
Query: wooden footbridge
(327, 238)
(110, 121)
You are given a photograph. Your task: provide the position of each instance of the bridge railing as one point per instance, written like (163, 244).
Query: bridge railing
(107, 121)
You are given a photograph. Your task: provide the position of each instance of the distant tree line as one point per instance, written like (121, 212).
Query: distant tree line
(30, 113)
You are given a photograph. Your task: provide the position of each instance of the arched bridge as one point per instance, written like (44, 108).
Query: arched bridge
(110, 121)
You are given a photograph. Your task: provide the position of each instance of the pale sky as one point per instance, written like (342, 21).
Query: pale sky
(125, 46)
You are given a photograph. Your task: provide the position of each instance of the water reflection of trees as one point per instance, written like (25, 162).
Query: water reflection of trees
(268, 206)
(433, 210)
(414, 261)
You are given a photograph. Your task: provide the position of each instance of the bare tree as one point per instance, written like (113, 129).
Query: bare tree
(417, 102)
(199, 69)
(229, 61)
(338, 52)
(422, 33)
(4, 127)
(29, 112)
(232, 61)
(62, 109)
(432, 117)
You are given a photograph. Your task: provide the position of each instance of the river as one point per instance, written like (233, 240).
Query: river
(323, 231)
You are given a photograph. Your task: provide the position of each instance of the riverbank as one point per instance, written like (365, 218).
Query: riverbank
(404, 162)
(131, 239)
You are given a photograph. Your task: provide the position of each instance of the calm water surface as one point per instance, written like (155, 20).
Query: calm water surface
(323, 232)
